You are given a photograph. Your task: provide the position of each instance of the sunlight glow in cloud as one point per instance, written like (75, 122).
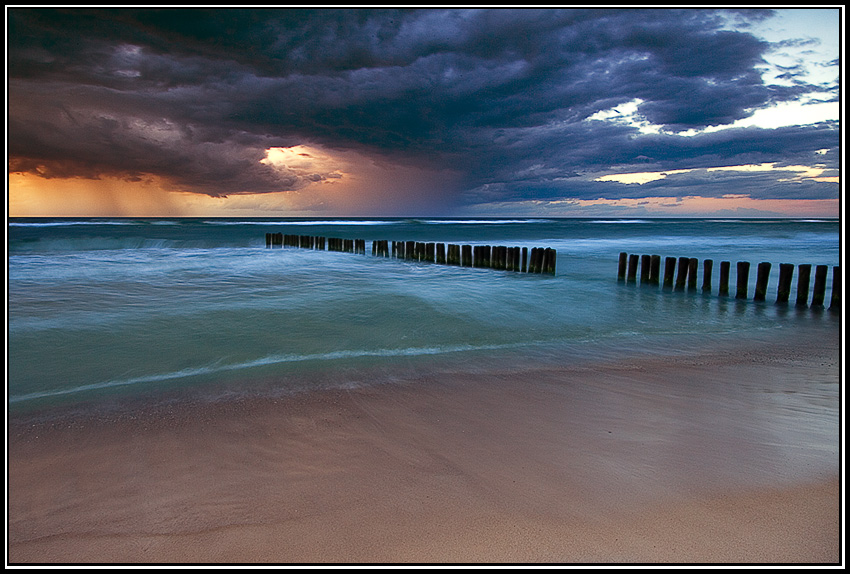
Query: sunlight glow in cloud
(807, 110)
(801, 172)
(307, 162)
(640, 178)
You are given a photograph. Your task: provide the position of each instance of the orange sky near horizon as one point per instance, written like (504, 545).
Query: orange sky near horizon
(33, 196)
(349, 185)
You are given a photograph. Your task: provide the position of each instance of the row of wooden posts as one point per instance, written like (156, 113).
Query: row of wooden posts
(682, 272)
(537, 260)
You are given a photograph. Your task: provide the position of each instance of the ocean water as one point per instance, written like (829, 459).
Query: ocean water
(104, 310)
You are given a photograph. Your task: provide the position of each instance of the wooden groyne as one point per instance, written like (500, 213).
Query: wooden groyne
(539, 260)
(685, 270)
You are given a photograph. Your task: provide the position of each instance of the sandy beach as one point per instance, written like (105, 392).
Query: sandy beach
(717, 457)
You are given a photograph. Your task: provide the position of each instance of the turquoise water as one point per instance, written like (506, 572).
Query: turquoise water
(105, 309)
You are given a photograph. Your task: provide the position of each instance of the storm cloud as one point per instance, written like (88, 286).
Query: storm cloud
(503, 98)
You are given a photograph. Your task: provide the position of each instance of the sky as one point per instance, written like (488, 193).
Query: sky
(423, 112)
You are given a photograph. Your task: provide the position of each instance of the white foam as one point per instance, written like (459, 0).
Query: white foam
(304, 222)
(263, 361)
(66, 223)
(621, 221)
(480, 221)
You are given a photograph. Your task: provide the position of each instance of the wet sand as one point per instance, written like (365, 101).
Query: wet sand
(712, 458)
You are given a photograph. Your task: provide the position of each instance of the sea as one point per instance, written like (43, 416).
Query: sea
(102, 312)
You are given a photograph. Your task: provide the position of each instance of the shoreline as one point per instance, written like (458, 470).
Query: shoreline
(709, 457)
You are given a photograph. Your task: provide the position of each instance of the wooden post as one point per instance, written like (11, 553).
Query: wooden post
(706, 275)
(544, 260)
(682, 275)
(761, 281)
(553, 256)
(644, 269)
(538, 259)
(534, 260)
(631, 274)
(654, 269)
(742, 278)
(783, 291)
(835, 301)
(621, 269)
(466, 256)
(523, 267)
(803, 276)
(441, 253)
(410, 250)
(723, 288)
(819, 291)
(669, 271)
(430, 252)
(693, 264)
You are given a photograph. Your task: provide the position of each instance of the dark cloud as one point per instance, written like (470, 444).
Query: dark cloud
(500, 96)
